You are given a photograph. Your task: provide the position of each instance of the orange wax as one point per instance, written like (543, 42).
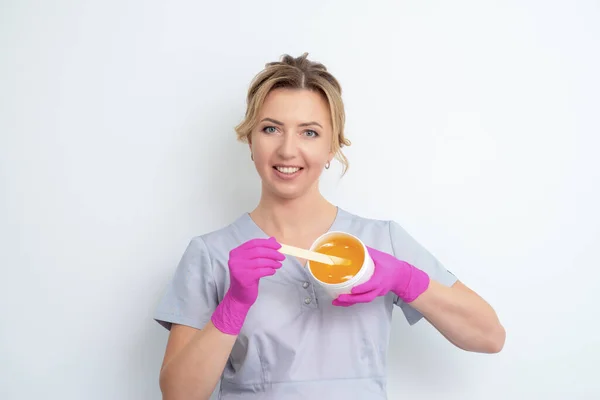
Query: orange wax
(340, 246)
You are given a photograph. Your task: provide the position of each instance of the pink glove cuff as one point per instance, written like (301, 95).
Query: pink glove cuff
(229, 316)
(411, 282)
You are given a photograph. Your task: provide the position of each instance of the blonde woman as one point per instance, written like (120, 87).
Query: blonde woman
(243, 315)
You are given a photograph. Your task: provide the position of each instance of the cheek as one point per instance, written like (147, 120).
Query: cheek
(317, 156)
(263, 157)
(260, 157)
(259, 150)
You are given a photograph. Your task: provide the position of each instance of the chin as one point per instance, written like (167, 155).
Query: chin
(285, 191)
(287, 194)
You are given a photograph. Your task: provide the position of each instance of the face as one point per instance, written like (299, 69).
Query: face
(292, 142)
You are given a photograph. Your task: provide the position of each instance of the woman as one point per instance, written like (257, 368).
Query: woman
(243, 314)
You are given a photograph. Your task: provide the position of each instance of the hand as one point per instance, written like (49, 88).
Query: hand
(390, 274)
(247, 263)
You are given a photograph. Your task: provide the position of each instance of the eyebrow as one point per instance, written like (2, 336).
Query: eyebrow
(281, 123)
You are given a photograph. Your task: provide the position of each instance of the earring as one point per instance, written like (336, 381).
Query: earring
(327, 165)
(252, 156)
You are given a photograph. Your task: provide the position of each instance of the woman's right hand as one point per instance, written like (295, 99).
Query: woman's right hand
(248, 263)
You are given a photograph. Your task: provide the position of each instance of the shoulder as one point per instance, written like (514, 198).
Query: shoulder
(358, 222)
(219, 242)
(372, 231)
(383, 234)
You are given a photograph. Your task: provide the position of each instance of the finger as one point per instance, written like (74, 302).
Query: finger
(257, 252)
(380, 256)
(339, 303)
(263, 252)
(358, 298)
(373, 283)
(241, 266)
(260, 242)
(372, 251)
(376, 255)
(263, 272)
(368, 286)
(258, 263)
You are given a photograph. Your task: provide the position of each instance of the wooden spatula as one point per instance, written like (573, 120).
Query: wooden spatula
(312, 255)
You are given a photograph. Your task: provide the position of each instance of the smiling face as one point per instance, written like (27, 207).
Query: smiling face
(292, 141)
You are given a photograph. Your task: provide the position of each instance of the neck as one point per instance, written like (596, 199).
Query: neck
(287, 218)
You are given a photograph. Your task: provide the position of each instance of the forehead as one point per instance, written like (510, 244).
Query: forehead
(296, 106)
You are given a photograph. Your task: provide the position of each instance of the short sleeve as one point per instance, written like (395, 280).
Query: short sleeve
(191, 296)
(406, 248)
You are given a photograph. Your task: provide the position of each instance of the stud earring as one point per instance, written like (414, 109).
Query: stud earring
(327, 165)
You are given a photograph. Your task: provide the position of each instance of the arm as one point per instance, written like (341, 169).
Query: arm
(193, 353)
(194, 359)
(462, 316)
(457, 312)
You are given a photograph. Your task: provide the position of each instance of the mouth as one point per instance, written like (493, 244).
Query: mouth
(287, 170)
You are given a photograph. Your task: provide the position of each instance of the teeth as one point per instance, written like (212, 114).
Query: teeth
(287, 170)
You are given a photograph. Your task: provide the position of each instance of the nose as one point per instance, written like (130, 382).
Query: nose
(287, 147)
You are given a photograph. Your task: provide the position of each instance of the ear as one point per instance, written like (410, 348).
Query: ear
(331, 153)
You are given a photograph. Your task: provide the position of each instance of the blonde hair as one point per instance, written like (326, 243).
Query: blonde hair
(297, 73)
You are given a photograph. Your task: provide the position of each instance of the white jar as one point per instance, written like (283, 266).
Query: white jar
(362, 276)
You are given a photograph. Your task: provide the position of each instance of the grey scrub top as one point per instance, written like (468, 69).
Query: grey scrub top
(295, 344)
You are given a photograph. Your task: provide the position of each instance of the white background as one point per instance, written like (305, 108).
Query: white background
(474, 125)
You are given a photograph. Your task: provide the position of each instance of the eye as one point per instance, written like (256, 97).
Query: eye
(269, 129)
(311, 133)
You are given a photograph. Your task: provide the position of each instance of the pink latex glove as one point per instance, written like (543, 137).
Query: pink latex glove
(391, 274)
(247, 263)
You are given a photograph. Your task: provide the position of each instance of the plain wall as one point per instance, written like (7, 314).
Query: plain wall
(474, 125)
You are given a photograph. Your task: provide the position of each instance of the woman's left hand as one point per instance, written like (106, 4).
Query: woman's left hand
(391, 274)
